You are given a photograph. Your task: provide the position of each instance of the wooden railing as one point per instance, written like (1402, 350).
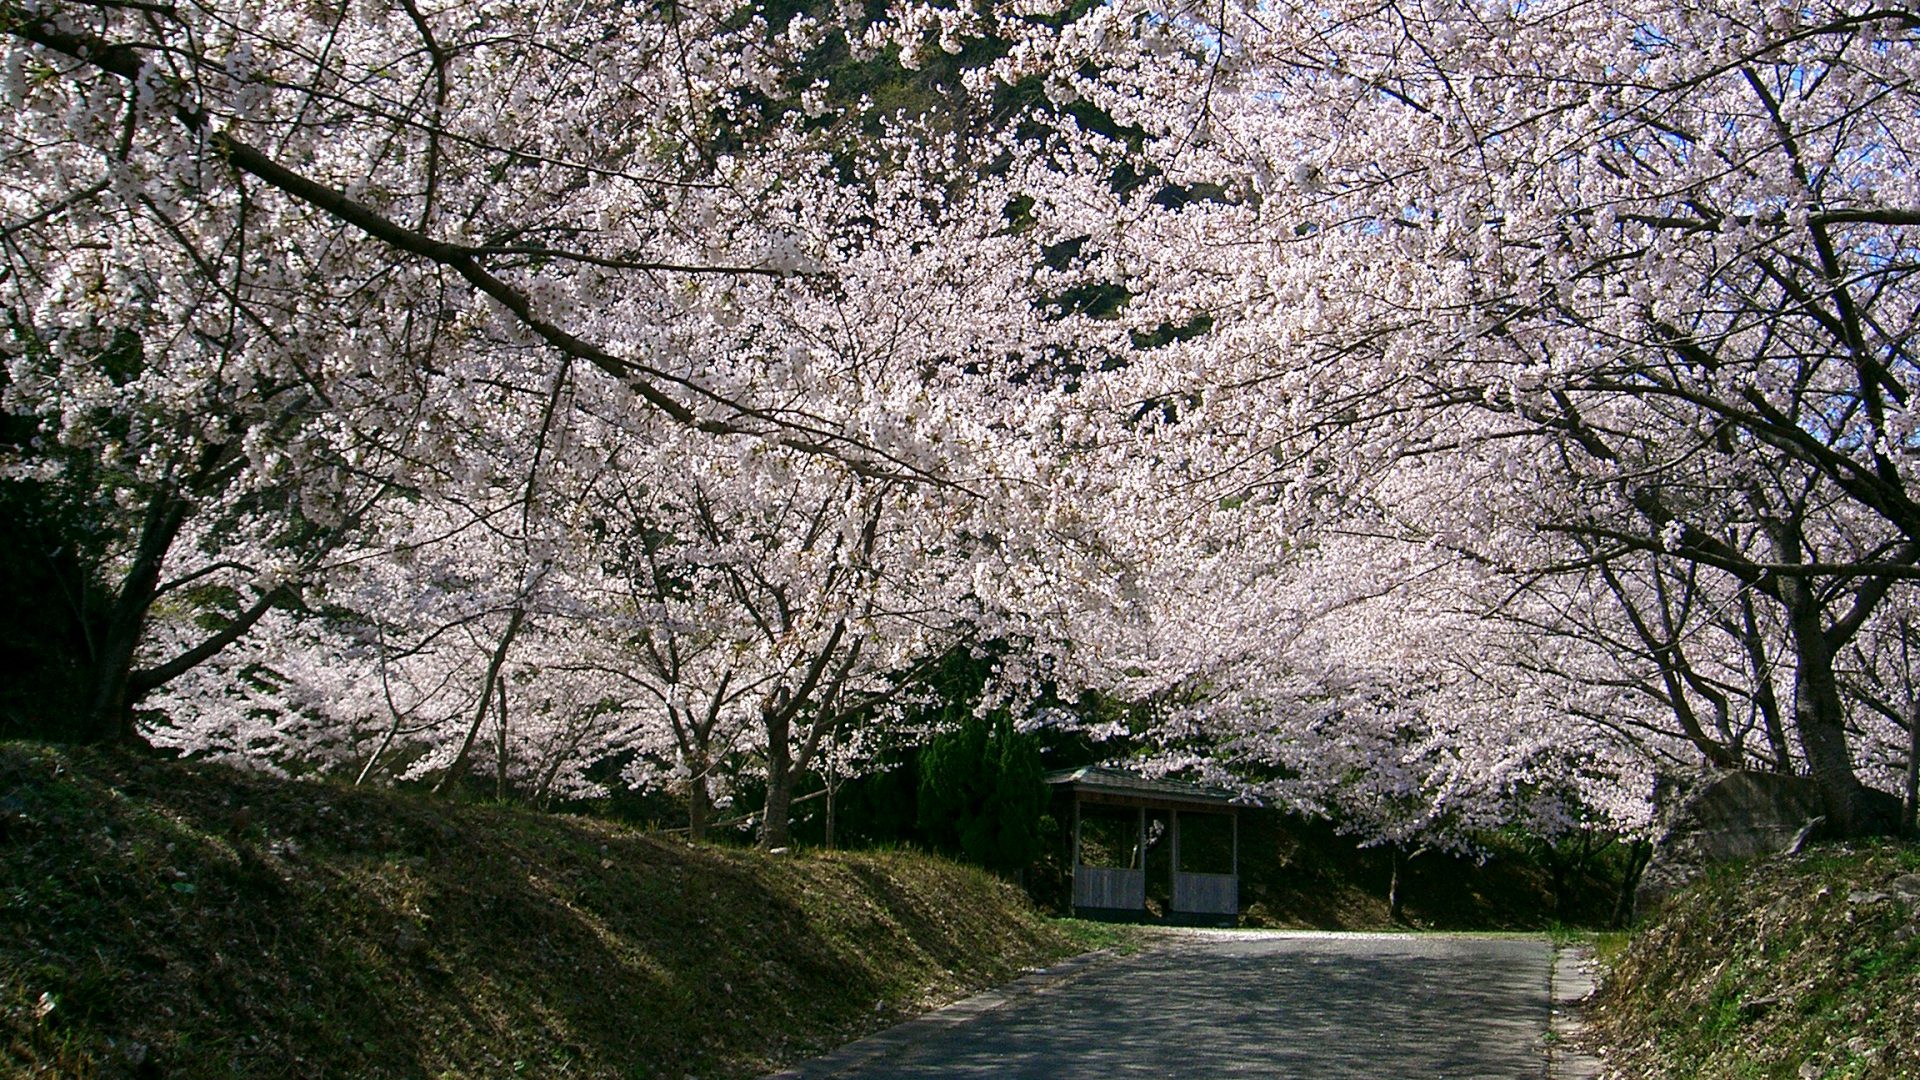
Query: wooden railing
(1100, 887)
(1206, 894)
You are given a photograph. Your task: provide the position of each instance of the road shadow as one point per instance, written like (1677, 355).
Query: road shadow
(1254, 1005)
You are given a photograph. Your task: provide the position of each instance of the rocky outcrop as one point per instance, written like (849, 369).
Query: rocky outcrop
(1738, 815)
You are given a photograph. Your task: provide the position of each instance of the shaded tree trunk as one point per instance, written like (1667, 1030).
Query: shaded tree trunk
(109, 710)
(694, 737)
(775, 829)
(1910, 827)
(1764, 698)
(1396, 908)
(500, 745)
(1564, 868)
(832, 788)
(1638, 855)
(699, 802)
(1820, 717)
(498, 660)
(114, 684)
(108, 715)
(818, 690)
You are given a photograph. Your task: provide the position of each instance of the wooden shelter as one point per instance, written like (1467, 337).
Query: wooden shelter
(1121, 891)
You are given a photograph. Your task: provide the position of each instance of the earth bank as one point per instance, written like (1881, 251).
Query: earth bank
(1804, 965)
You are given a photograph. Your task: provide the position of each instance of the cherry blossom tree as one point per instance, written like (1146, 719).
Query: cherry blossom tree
(1448, 412)
(1366, 680)
(295, 259)
(1642, 273)
(157, 500)
(822, 584)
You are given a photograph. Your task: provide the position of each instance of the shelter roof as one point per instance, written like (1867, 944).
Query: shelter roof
(1105, 784)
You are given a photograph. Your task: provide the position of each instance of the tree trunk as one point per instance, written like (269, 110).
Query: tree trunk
(1396, 912)
(774, 827)
(499, 659)
(386, 740)
(109, 709)
(1911, 826)
(500, 746)
(1558, 879)
(831, 788)
(699, 803)
(1637, 858)
(1820, 717)
(777, 713)
(1763, 696)
(695, 739)
(775, 830)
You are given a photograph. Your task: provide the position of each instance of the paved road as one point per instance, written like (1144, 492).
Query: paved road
(1313, 1006)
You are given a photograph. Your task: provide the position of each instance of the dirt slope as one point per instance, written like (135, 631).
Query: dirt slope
(159, 919)
(1803, 966)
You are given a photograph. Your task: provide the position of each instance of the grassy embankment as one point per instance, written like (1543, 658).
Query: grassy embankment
(1794, 966)
(166, 919)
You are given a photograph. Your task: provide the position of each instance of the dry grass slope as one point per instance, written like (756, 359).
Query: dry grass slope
(1803, 966)
(160, 919)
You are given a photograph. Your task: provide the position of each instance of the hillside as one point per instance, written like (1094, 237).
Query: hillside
(167, 919)
(1803, 966)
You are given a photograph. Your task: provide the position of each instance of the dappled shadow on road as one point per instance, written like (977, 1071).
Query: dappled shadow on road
(1319, 1008)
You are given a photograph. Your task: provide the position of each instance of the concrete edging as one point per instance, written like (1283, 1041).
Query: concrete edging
(1570, 988)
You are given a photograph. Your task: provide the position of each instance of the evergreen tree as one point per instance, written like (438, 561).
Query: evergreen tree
(981, 793)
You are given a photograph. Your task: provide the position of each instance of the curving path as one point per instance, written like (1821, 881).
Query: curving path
(1242, 1004)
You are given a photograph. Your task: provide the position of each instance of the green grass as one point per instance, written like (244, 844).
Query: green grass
(160, 918)
(1609, 944)
(1089, 936)
(1787, 967)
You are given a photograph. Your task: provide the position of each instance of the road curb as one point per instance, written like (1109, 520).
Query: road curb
(908, 1032)
(1569, 990)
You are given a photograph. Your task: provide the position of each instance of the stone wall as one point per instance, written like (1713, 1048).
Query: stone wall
(1737, 815)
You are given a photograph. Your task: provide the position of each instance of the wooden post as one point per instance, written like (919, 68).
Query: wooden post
(1234, 816)
(1073, 872)
(1076, 831)
(1176, 841)
(1173, 862)
(1142, 847)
